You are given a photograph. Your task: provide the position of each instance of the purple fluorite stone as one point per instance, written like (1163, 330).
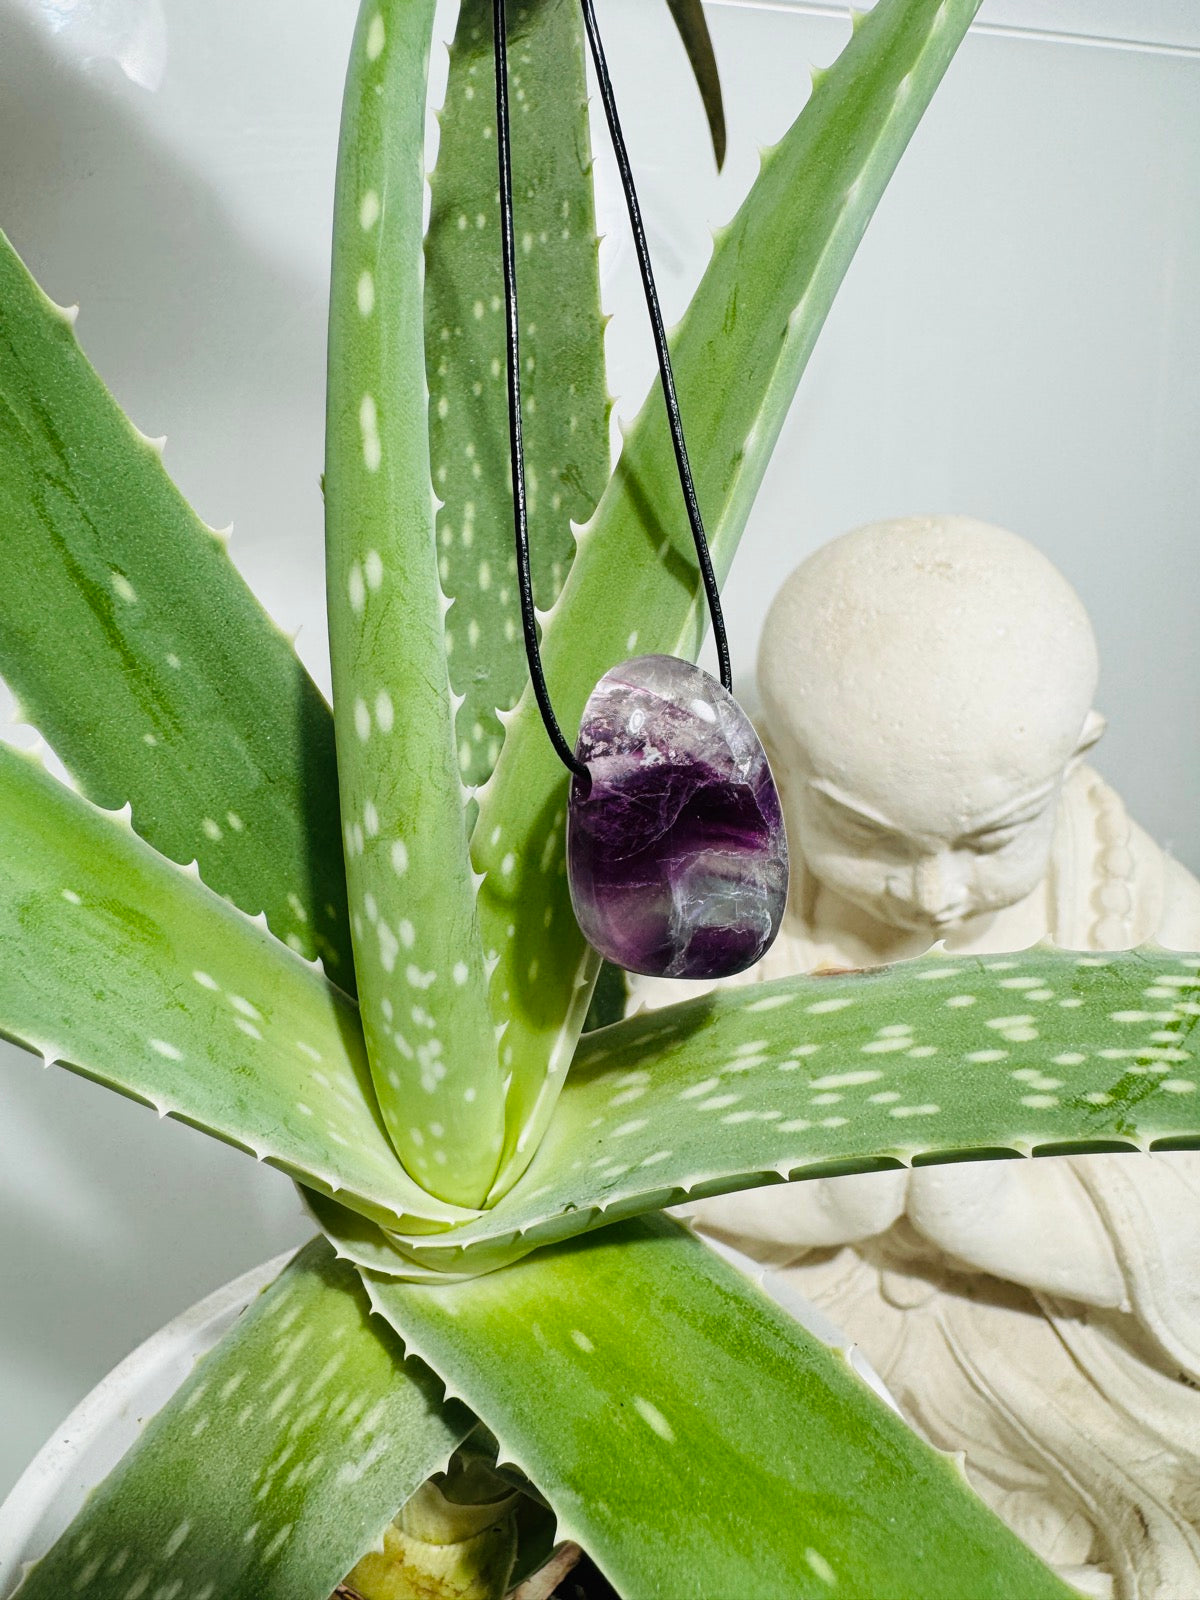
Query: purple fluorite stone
(676, 856)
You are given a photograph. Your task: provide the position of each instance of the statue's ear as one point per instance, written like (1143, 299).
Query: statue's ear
(1094, 725)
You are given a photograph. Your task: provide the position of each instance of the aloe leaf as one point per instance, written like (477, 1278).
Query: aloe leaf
(129, 970)
(937, 1060)
(633, 587)
(279, 1462)
(565, 400)
(417, 950)
(137, 650)
(693, 30)
(695, 1439)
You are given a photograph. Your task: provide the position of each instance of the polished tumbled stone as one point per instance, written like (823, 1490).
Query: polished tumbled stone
(676, 855)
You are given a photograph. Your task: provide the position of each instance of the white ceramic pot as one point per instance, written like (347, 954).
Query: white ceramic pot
(81, 1453)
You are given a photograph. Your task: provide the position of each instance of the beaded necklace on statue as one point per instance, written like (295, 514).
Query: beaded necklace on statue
(676, 852)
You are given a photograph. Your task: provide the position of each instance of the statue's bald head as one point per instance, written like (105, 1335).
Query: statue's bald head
(931, 671)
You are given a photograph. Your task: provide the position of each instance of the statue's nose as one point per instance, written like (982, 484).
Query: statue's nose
(938, 889)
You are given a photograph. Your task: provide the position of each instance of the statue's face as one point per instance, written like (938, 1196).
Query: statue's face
(926, 686)
(913, 868)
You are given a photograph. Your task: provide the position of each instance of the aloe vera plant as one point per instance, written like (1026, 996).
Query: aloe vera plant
(343, 942)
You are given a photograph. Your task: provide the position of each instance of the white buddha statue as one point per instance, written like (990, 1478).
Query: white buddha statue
(927, 688)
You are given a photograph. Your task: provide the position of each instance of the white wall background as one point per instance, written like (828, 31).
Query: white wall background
(1019, 339)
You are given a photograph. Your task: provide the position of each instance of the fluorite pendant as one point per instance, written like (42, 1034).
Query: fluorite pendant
(676, 854)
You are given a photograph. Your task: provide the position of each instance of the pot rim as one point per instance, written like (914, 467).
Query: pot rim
(87, 1444)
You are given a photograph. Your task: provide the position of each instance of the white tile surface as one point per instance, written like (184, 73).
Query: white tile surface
(1019, 338)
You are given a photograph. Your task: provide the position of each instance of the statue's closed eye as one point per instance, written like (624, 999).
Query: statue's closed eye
(1000, 834)
(856, 828)
(991, 840)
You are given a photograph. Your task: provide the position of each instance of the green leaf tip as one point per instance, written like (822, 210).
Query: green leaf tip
(693, 30)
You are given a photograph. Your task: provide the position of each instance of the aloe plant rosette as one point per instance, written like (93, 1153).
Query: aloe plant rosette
(343, 942)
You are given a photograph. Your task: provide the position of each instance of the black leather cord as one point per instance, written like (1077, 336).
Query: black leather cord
(516, 433)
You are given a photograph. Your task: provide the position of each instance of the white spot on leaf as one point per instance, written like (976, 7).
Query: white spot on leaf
(368, 422)
(652, 1415)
